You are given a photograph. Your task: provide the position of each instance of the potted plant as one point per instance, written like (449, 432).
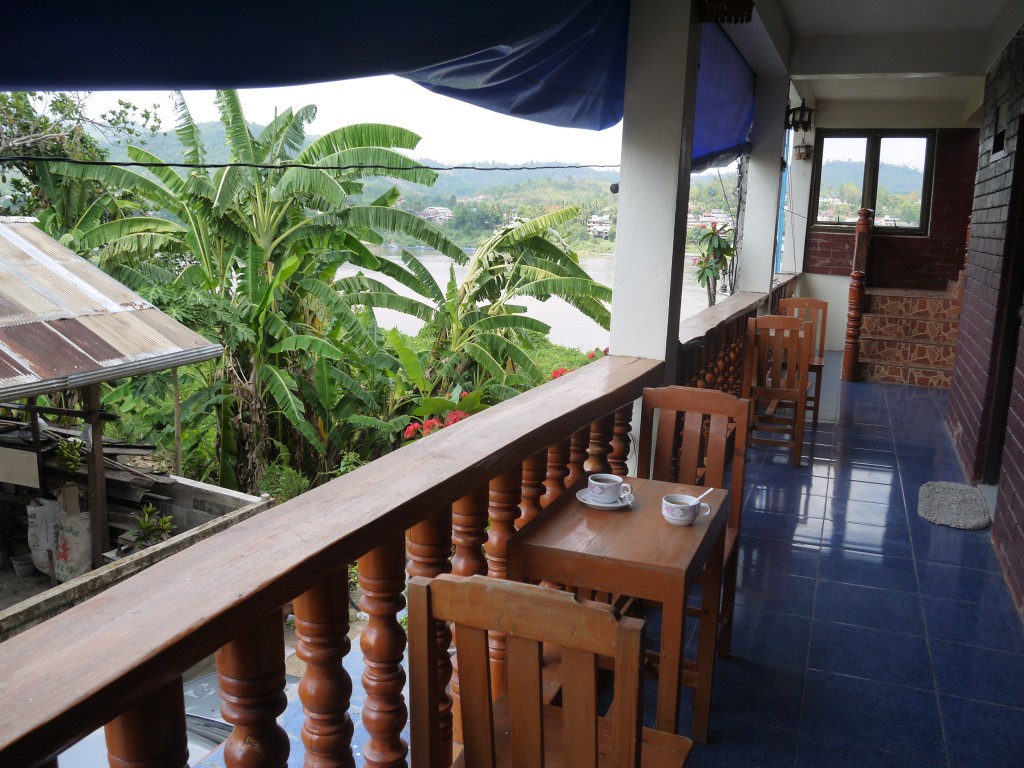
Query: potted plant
(152, 527)
(716, 249)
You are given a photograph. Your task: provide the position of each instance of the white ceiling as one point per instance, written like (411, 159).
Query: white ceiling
(934, 51)
(807, 18)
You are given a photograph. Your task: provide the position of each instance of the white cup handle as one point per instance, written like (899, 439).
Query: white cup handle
(627, 490)
(705, 509)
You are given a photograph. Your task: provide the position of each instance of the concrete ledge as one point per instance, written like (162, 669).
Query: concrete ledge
(43, 606)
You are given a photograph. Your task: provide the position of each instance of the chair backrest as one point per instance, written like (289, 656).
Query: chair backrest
(776, 356)
(528, 615)
(814, 311)
(690, 437)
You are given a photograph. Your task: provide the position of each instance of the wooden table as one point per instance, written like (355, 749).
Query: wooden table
(636, 552)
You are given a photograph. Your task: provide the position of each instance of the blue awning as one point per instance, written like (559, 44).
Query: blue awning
(561, 63)
(573, 75)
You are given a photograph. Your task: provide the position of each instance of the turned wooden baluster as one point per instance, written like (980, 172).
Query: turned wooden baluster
(430, 546)
(600, 445)
(619, 455)
(250, 673)
(534, 470)
(557, 471)
(469, 533)
(577, 455)
(382, 579)
(502, 509)
(152, 733)
(321, 630)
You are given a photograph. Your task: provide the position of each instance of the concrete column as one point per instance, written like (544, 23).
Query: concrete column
(761, 209)
(657, 139)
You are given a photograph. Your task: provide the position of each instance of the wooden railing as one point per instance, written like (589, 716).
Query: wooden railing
(711, 343)
(447, 502)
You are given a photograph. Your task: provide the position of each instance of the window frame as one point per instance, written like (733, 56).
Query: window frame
(869, 185)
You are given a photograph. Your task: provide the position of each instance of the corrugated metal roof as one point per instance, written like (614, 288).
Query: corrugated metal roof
(65, 323)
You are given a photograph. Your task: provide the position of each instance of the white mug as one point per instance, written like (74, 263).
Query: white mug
(608, 489)
(680, 509)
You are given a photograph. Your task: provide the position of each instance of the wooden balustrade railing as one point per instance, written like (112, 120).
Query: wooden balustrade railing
(711, 343)
(435, 492)
(133, 643)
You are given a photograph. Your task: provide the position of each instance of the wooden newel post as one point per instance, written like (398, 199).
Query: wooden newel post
(854, 319)
(502, 509)
(858, 278)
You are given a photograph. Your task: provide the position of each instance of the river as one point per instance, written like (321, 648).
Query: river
(569, 328)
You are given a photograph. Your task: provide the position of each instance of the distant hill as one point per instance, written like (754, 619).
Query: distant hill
(899, 179)
(492, 181)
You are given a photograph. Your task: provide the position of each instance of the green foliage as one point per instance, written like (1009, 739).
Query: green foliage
(716, 251)
(282, 482)
(42, 124)
(151, 527)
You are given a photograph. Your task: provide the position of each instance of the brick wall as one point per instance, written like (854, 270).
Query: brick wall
(984, 314)
(915, 262)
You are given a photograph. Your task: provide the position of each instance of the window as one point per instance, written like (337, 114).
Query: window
(887, 171)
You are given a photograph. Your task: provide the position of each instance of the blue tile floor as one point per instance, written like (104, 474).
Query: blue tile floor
(865, 636)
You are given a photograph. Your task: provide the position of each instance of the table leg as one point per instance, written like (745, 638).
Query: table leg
(670, 663)
(708, 639)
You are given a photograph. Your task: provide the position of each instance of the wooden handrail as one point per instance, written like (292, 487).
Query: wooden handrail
(85, 667)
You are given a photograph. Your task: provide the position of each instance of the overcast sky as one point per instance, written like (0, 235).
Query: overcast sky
(452, 132)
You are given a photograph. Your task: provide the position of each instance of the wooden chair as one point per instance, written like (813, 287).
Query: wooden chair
(776, 356)
(691, 444)
(814, 311)
(518, 729)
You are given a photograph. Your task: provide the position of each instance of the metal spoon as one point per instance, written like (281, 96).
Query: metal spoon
(709, 490)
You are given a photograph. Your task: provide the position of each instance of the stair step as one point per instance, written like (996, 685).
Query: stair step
(909, 329)
(930, 305)
(889, 373)
(922, 354)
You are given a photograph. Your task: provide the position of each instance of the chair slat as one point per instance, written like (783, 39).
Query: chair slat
(525, 702)
(579, 704)
(475, 691)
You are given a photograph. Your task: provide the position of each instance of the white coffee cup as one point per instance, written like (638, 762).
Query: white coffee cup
(680, 509)
(608, 489)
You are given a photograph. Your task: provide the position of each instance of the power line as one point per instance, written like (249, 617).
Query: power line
(10, 159)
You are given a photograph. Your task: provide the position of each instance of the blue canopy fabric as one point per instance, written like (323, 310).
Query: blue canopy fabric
(561, 63)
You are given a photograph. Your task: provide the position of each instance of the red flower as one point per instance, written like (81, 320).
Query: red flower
(431, 425)
(463, 394)
(590, 355)
(412, 429)
(454, 416)
(606, 350)
(559, 372)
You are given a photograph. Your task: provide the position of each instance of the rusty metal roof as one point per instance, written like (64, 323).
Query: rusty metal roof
(65, 324)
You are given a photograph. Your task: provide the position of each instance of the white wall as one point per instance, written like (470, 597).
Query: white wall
(836, 291)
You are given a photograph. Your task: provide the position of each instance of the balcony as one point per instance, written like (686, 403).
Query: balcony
(863, 635)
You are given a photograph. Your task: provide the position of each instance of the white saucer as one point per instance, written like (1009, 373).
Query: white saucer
(584, 496)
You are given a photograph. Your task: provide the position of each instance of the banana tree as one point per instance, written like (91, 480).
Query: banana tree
(481, 334)
(267, 236)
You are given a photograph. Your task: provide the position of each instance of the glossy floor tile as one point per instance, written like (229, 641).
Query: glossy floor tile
(864, 635)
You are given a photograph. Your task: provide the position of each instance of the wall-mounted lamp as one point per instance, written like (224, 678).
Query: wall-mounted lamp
(800, 118)
(802, 151)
